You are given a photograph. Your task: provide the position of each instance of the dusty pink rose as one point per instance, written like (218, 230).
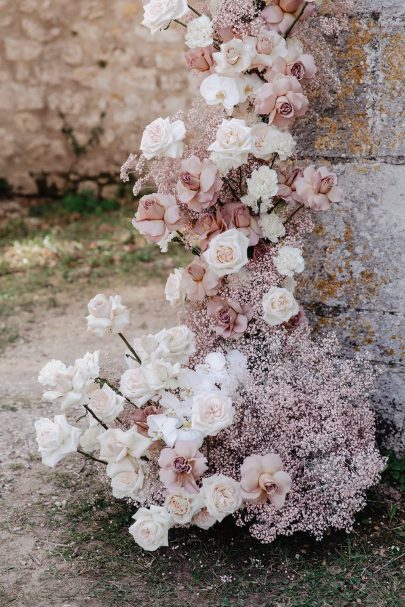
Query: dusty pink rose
(199, 184)
(317, 188)
(200, 59)
(299, 320)
(263, 478)
(207, 226)
(156, 214)
(286, 184)
(198, 281)
(301, 66)
(182, 466)
(226, 34)
(237, 215)
(230, 318)
(280, 14)
(282, 99)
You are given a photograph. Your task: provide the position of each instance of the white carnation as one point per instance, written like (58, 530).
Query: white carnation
(289, 261)
(158, 13)
(272, 226)
(55, 439)
(269, 140)
(163, 138)
(200, 32)
(262, 186)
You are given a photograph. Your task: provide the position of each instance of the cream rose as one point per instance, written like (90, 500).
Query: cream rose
(235, 56)
(289, 261)
(106, 314)
(163, 138)
(227, 252)
(211, 412)
(176, 344)
(151, 527)
(55, 439)
(106, 404)
(135, 386)
(127, 478)
(182, 506)
(158, 13)
(232, 145)
(203, 519)
(279, 306)
(222, 495)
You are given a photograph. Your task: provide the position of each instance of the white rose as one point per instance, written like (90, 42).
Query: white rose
(182, 506)
(203, 519)
(106, 314)
(161, 375)
(163, 427)
(158, 13)
(200, 32)
(211, 412)
(232, 145)
(135, 386)
(173, 291)
(115, 444)
(274, 46)
(55, 439)
(221, 494)
(151, 527)
(222, 90)
(127, 478)
(89, 438)
(54, 372)
(176, 344)
(163, 138)
(145, 347)
(289, 261)
(279, 306)
(106, 404)
(269, 140)
(227, 252)
(272, 226)
(235, 56)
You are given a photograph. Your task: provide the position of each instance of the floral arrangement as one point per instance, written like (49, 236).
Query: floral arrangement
(237, 410)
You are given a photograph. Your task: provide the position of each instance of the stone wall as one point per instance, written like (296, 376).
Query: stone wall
(80, 79)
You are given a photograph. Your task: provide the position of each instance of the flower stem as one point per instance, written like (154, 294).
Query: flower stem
(273, 160)
(95, 459)
(95, 417)
(294, 213)
(180, 23)
(194, 10)
(102, 381)
(297, 18)
(130, 348)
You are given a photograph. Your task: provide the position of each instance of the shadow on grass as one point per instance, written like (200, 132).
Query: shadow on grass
(226, 567)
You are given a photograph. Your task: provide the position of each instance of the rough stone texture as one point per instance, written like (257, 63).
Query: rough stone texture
(90, 66)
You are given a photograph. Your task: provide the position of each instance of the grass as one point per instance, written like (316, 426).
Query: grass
(60, 246)
(224, 567)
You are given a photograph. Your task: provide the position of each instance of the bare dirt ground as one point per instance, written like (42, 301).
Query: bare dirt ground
(32, 496)
(64, 539)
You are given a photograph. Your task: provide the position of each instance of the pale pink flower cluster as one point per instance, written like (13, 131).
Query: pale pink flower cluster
(278, 432)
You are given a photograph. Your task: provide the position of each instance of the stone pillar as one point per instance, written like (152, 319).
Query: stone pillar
(354, 282)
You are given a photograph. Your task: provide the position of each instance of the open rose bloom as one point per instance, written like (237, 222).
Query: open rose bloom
(237, 411)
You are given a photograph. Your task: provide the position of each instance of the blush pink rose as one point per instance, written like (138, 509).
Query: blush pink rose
(237, 215)
(280, 14)
(317, 188)
(282, 99)
(207, 226)
(263, 478)
(182, 466)
(286, 184)
(200, 59)
(230, 319)
(199, 184)
(156, 214)
(198, 281)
